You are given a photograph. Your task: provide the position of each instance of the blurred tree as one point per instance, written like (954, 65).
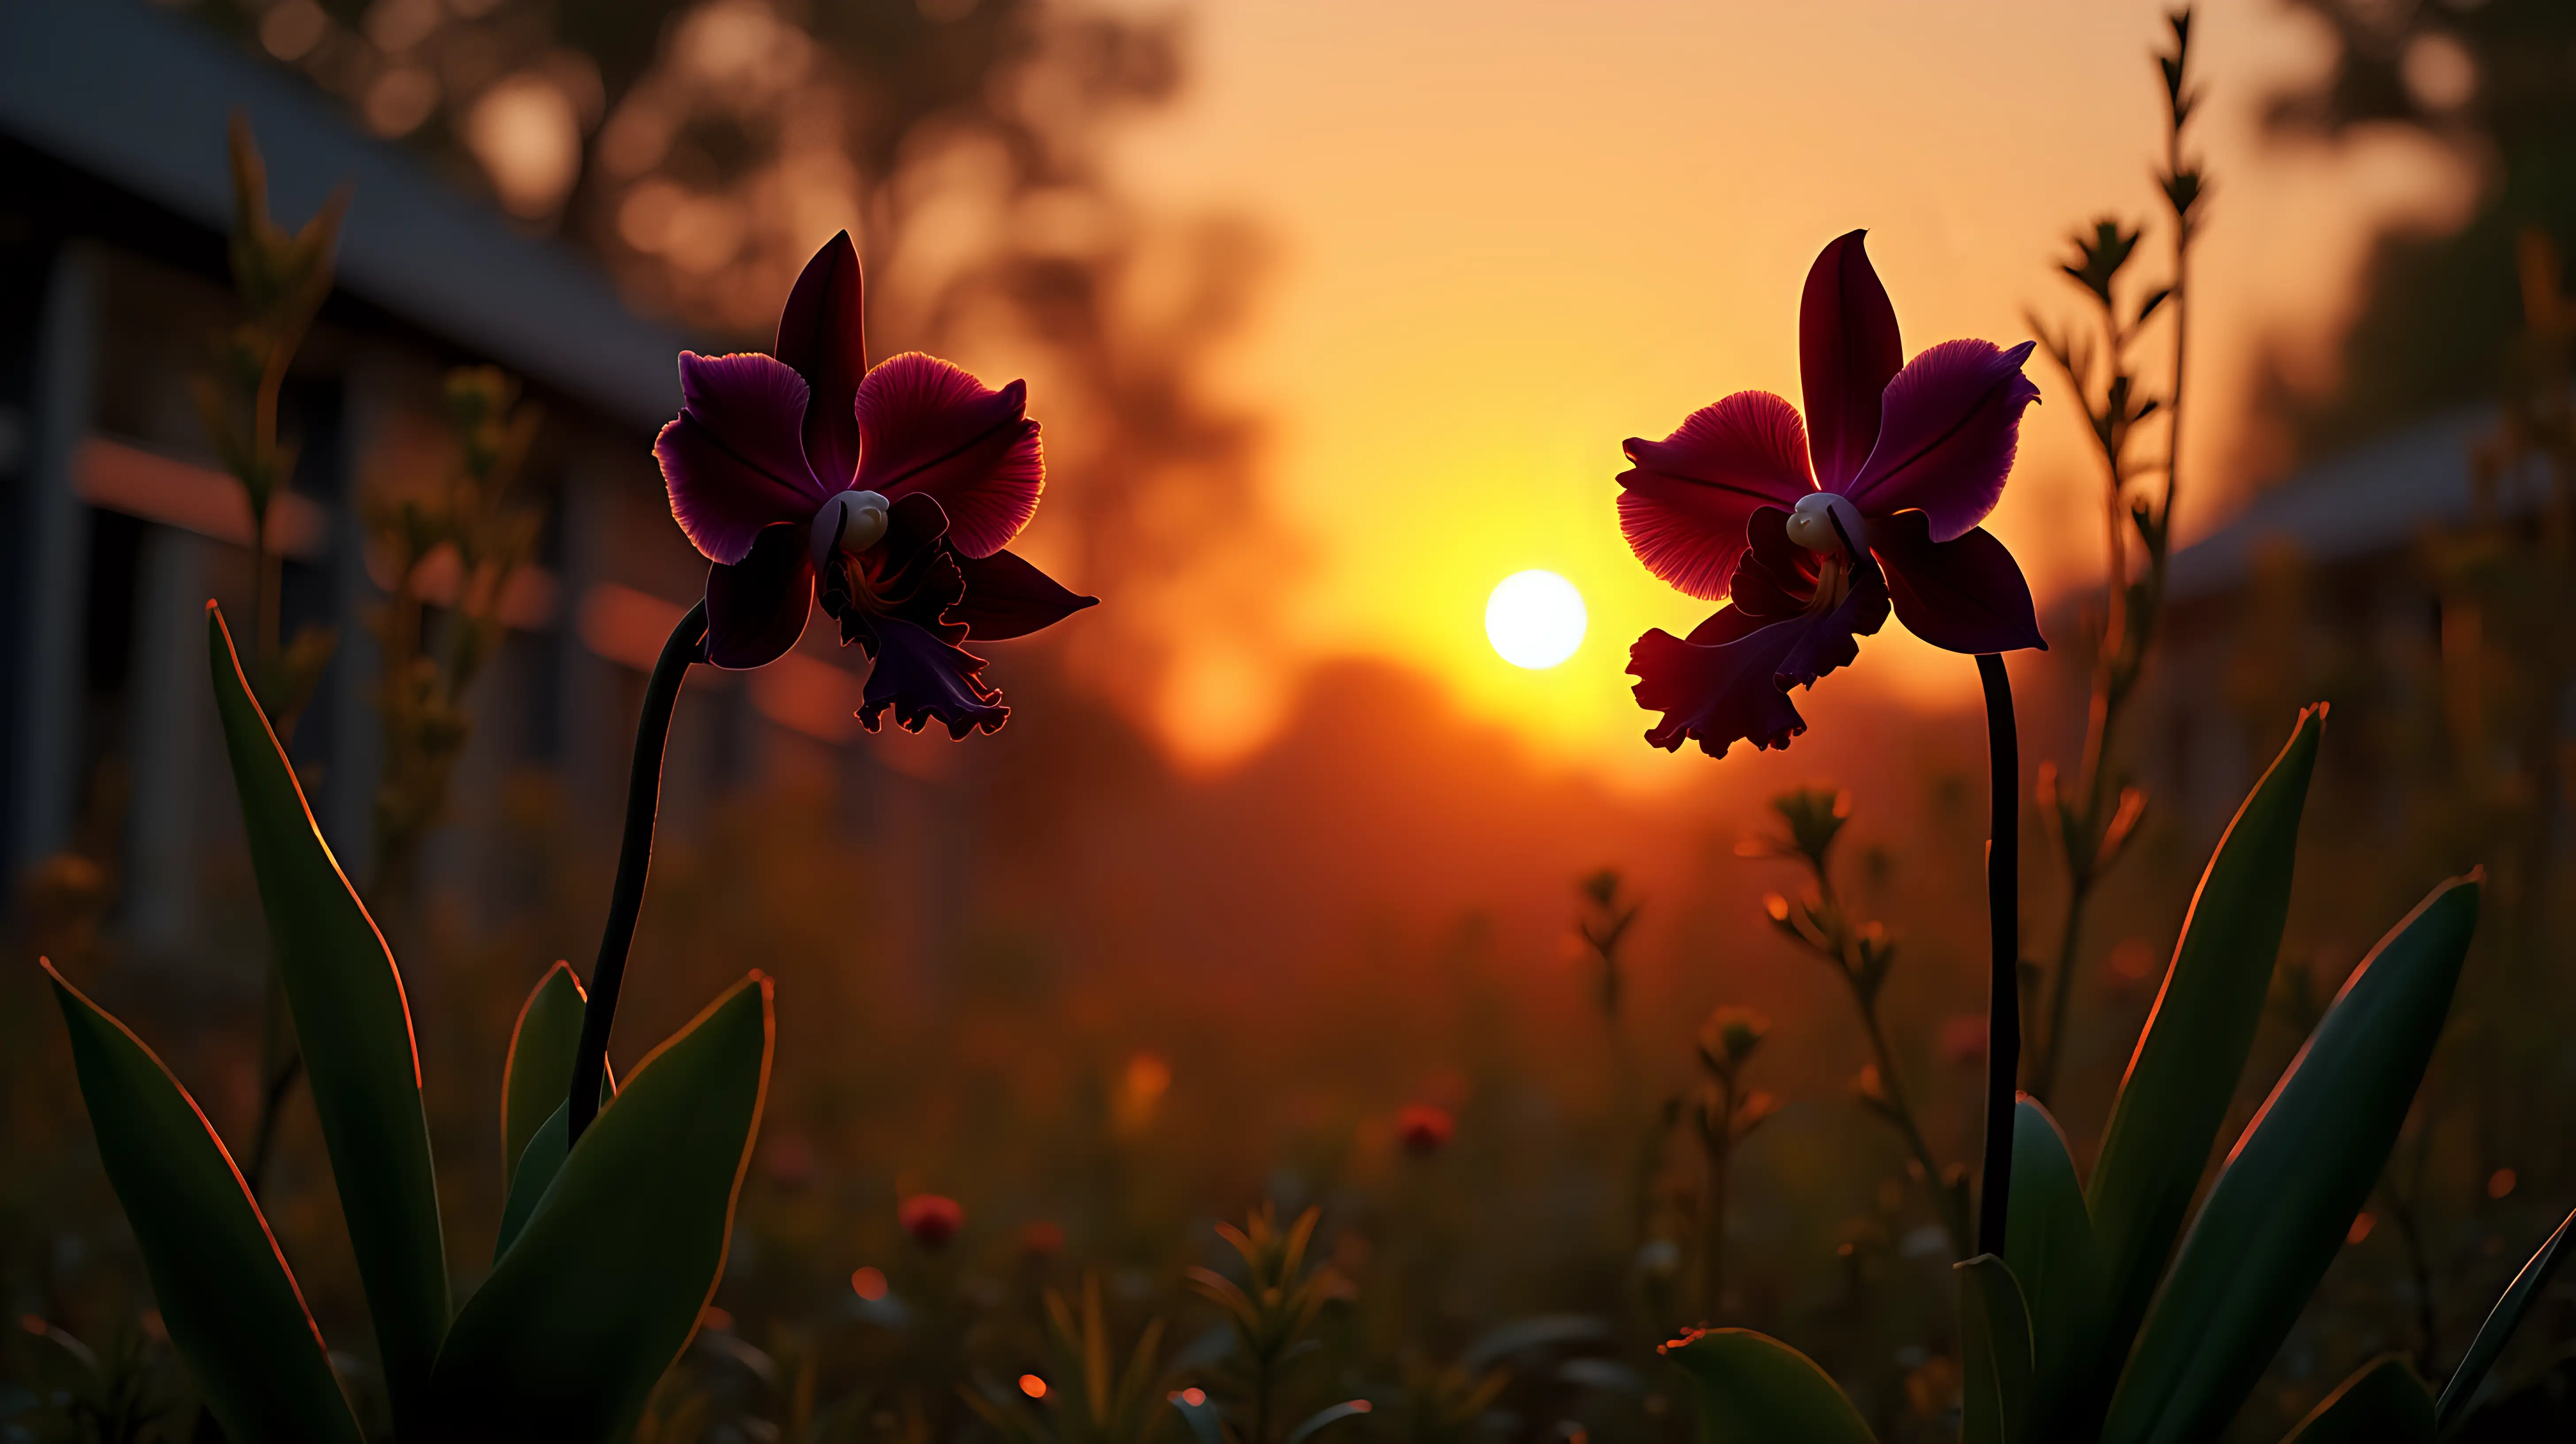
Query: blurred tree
(2492, 80)
(699, 149)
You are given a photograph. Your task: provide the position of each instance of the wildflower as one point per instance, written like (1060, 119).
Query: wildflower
(1815, 528)
(932, 1219)
(1423, 1129)
(887, 493)
(1042, 1240)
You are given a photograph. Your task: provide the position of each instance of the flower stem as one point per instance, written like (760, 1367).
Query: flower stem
(687, 645)
(2003, 922)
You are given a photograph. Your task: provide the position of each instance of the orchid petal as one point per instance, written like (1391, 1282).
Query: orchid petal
(923, 678)
(1776, 577)
(1726, 624)
(1688, 497)
(1952, 422)
(913, 522)
(1738, 690)
(1966, 594)
(734, 460)
(821, 335)
(1848, 350)
(757, 607)
(929, 427)
(1006, 597)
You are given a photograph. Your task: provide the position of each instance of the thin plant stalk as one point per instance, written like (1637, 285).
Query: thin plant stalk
(1712, 1279)
(1861, 958)
(686, 646)
(2003, 922)
(1900, 1112)
(2096, 819)
(1728, 1114)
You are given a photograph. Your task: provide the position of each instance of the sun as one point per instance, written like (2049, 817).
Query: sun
(1535, 619)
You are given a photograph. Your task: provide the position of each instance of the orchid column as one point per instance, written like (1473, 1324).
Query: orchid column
(1812, 530)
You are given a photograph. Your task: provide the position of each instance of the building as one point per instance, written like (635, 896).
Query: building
(114, 205)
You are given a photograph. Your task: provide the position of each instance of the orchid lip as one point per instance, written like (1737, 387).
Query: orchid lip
(1823, 521)
(852, 521)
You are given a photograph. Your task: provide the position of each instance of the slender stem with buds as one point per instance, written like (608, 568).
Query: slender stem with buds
(1718, 1139)
(1892, 1104)
(2003, 921)
(686, 647)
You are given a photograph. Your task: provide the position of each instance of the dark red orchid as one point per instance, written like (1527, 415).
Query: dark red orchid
(1813, 529)
(887, 493)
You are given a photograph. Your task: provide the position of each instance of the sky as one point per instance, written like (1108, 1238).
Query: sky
(1512, 233)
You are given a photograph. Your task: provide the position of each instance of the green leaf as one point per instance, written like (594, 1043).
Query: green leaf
(533, 1174)
(2382, 1403)
(533, 1085)
(539, 1072)
(2280, 1209)
(2048, 1241)
(2196, 1042)
(2497, 1331)
(1995, 1352)
(605, 1284)
(1753, 1389)
(225, 1293)
(347, 997)
(1330, 1414)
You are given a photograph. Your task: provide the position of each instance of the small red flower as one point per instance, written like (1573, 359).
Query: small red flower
(1042, 1240)
(1423, 1129)
(887, 493)
(1814, 528)
(932, 1219)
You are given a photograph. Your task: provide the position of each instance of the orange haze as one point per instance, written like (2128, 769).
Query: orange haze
(1518, 231)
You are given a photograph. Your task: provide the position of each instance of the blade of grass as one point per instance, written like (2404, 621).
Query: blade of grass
(2382, 1403)
(2497, 1331)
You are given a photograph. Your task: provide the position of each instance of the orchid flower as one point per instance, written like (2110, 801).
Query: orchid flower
(1814, 528)
(887, 493)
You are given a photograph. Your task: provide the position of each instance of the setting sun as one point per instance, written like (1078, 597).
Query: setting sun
(1535, 619)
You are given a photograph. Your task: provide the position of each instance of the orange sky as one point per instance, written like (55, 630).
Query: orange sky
(1517, 231)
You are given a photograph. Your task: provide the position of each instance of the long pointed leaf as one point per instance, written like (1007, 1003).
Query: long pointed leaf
(534, 1128)
(1753, 1389)
(2279, 1211)
(1995, 1353)
(539, 1070)
(538, 1164)
(1315, 1423)
(2196, 1041)
(355, 1028)
(2382, 1403)
(605, 1284)
(2497, 1331)
(2048, 1241)
(224, 1291)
